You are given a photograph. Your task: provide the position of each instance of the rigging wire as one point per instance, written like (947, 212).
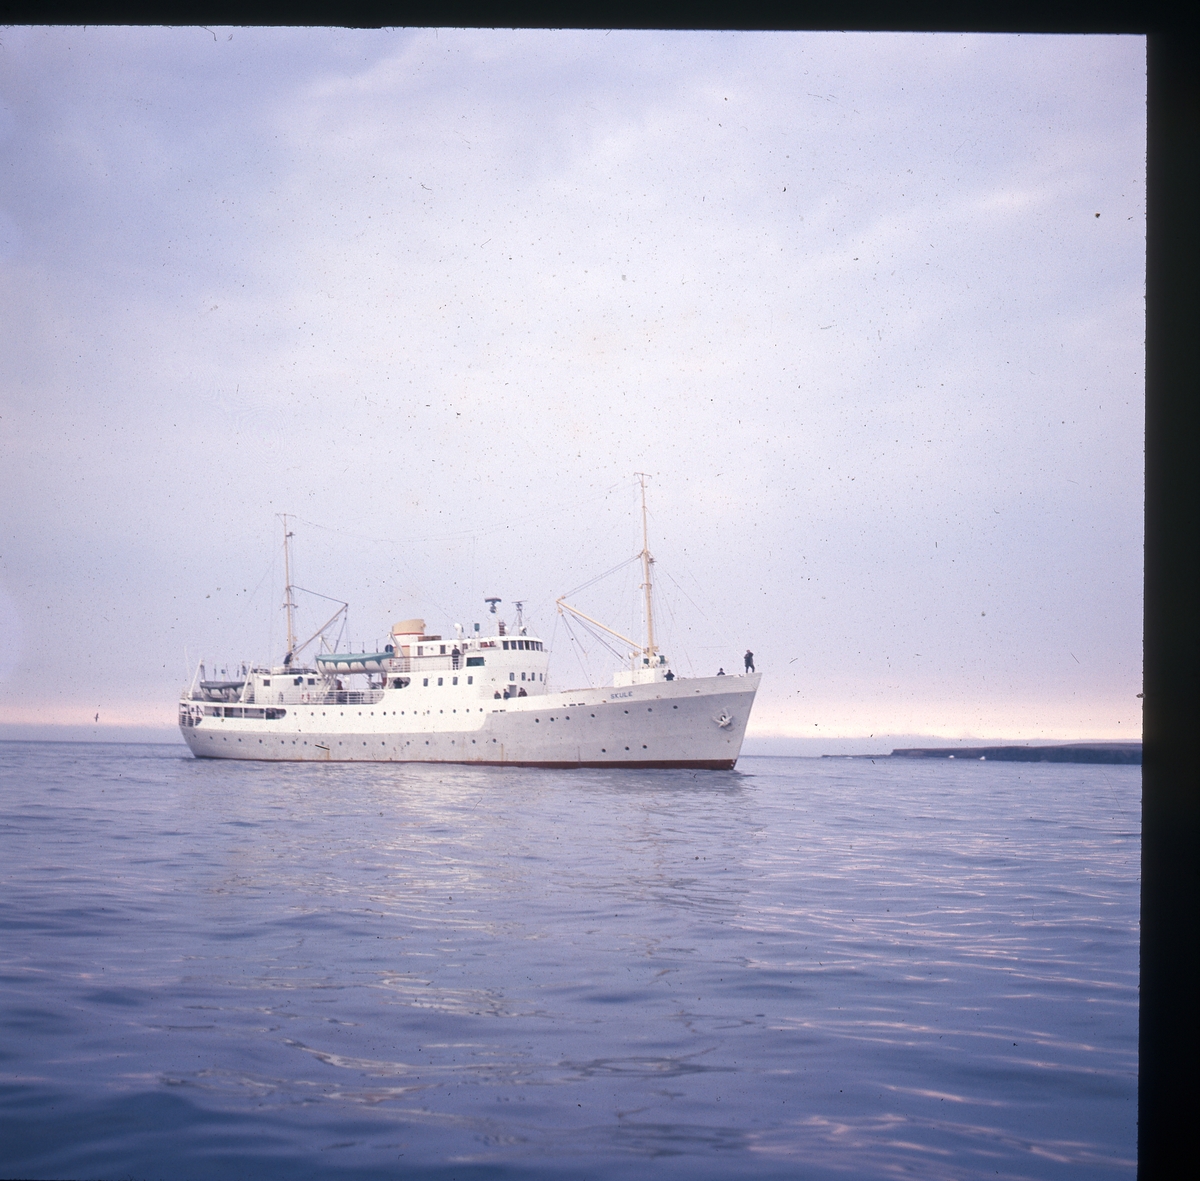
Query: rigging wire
(600, 577)
(685, 594)
(318, 594)
(599, 638)
(586, 670)
(550, 645)
(238, 621)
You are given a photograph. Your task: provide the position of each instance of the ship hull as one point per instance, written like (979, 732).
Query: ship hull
(687, 723)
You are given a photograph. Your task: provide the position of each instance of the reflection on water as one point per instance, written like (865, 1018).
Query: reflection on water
(861, 969)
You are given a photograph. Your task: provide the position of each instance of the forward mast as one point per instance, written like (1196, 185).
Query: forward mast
(646, 662)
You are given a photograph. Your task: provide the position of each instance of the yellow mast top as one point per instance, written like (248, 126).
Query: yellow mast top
(647, 561)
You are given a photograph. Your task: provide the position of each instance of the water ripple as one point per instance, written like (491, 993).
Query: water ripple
(845, 968)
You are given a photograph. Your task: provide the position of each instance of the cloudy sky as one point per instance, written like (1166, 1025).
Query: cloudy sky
(867, 308)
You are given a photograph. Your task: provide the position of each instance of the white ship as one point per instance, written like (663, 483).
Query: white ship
(473, 698)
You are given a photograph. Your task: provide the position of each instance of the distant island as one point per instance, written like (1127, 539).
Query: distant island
(1067, 752)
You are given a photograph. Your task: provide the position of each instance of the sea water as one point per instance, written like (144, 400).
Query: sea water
(807, 968)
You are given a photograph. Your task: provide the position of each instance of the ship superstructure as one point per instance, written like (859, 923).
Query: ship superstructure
(479, 697)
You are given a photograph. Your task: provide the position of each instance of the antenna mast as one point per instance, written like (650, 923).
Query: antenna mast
(647, 562)
(288, 605)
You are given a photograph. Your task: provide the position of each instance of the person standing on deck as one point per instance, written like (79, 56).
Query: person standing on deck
(749, 658)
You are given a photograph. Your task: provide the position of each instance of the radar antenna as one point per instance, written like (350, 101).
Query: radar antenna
(492, 602)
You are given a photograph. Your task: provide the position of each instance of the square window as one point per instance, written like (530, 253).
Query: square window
(454, 680)
(470, 680)
(439, 680)
(425, 682)
(512, 676)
